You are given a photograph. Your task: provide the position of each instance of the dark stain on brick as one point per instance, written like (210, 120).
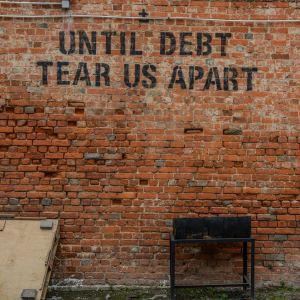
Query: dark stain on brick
(232, 131)
(51, 174)
(280, 56)
(10, 109)
(143, 181)
(116, 201)
(193, 130)
(79, 110)
(72, 123)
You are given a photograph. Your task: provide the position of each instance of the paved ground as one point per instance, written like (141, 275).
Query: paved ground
(279, 293)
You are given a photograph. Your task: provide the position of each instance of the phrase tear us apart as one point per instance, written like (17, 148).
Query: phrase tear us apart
(200, 44)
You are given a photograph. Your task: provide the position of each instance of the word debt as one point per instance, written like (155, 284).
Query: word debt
(128, 43)
(136, 75)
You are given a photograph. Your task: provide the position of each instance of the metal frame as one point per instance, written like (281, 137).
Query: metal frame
(246, 283)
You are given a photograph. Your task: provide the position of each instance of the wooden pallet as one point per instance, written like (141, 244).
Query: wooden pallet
(26, 257)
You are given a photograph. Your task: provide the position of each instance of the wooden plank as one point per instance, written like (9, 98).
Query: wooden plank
(2, 225)
(49, 264)
(25, 262)
(6, 216)
(30, 218)
(46, 282)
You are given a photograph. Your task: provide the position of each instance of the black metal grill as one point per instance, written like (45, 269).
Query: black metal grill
(213, 230)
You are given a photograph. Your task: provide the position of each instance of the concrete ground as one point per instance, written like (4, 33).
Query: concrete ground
(275, 293)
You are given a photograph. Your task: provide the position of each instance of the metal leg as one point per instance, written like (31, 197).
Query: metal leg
(252, 270)
(172, 270)
(245, 264)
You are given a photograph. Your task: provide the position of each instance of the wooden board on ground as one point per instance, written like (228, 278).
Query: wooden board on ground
(26, 257)
(2, 224)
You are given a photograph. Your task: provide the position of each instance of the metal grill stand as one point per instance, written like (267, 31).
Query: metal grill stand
(214, 230)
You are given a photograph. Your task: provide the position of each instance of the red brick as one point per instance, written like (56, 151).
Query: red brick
(151, 169)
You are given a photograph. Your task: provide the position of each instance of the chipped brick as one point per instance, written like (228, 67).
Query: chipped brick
(94, 156)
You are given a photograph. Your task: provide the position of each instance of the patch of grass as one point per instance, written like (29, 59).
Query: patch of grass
(283, 292)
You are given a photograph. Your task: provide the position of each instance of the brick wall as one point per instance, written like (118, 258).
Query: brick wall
(116, 162)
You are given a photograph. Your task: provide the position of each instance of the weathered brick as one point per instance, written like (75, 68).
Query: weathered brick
(111, 137)
(249, 35)
(46, 224)
(276, 257)
(13, 201)
(29, 110)
(232, 131)
(159, 163)
(279, 237)
(199, 183)
(46, 201)
(94, 156)
(117, 160)
(29, 294)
